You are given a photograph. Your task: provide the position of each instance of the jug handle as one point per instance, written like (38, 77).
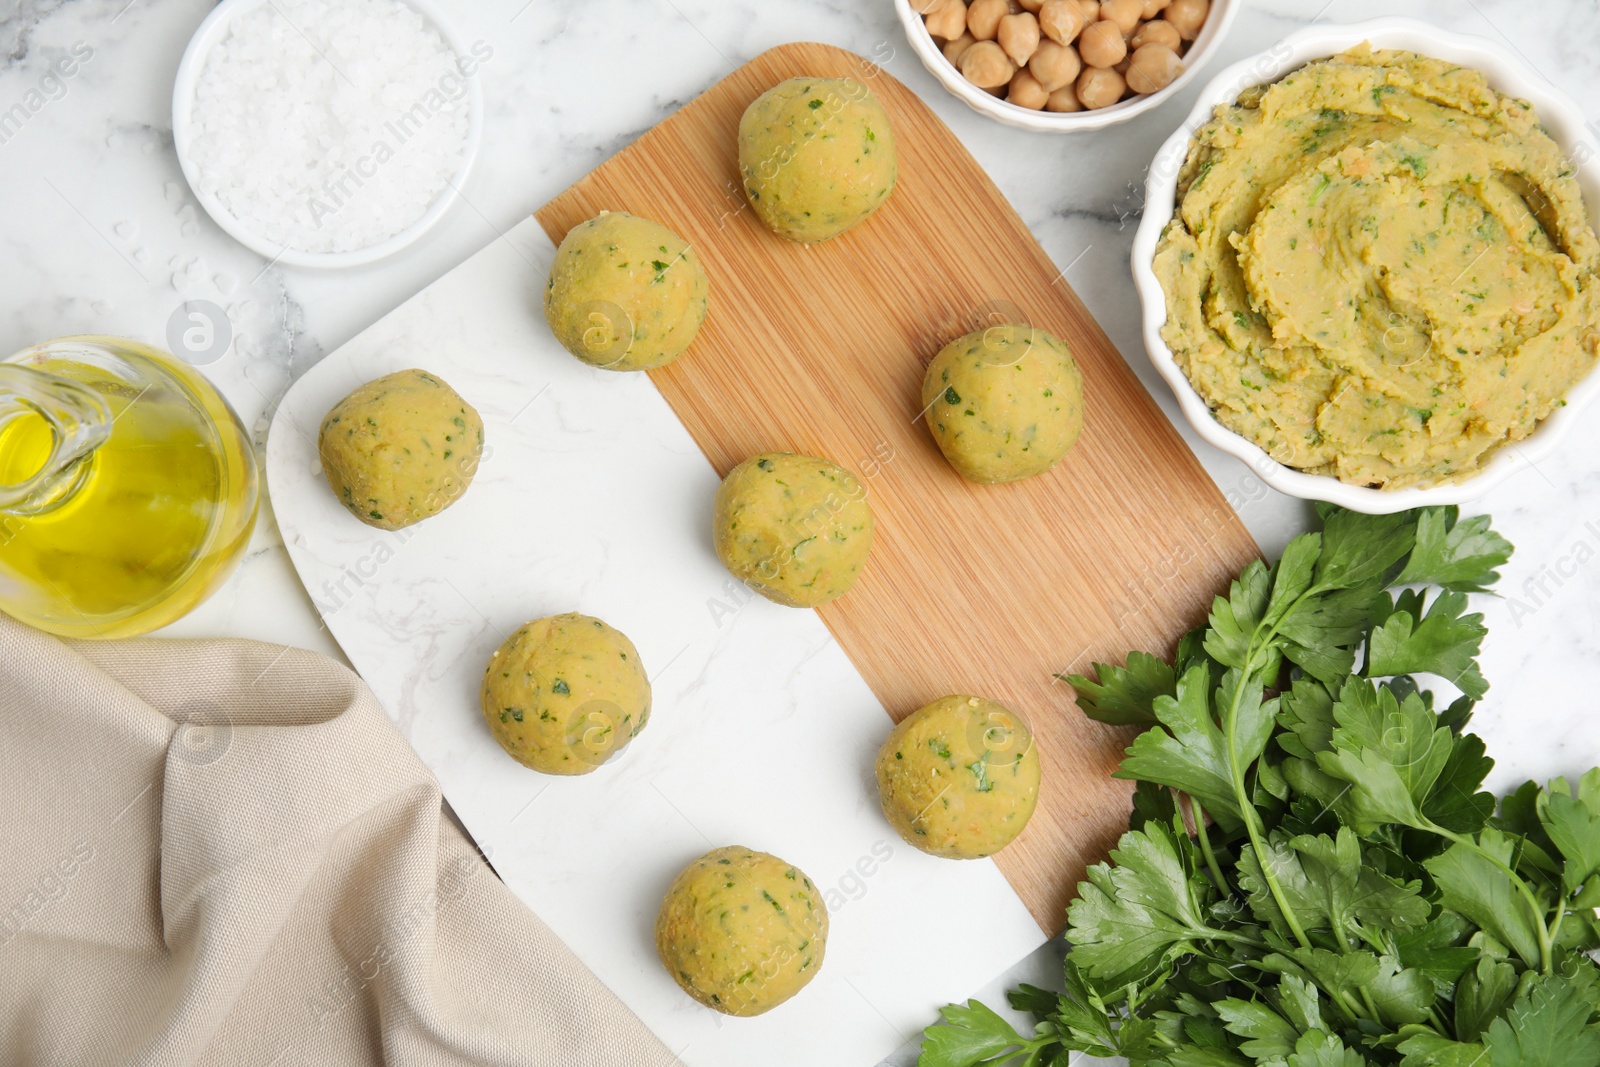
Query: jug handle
(79, 419)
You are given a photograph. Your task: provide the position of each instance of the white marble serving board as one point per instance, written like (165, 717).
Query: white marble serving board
(593, 497)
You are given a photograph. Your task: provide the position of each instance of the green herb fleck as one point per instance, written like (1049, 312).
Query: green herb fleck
(980, 773)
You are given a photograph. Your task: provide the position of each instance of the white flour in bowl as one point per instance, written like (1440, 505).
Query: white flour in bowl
(330, 125)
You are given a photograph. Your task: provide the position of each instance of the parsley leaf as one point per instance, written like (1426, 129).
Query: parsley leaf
(1442, 641)
(1236, 617)
(1324, 1050)
(1291, 578)
(1299, 1002)
(1401, 996)
(1081, 1017)
(1549, 1026)
(1125, 696)
(1346, 894)
(1144, 908)
(1269, 1034)
(1571, 818)
(1425, 1048)
(1460, 555)
(971, 1034)
(1358, 549)
(1388, 752)
(1306, 716)
(1322, 633)
(1473, 879)
(1193, 756)
(1482, 996)
(1455, 802)
(1293, 886)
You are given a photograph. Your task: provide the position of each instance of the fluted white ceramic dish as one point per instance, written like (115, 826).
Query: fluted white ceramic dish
(927, 50)
(1507, 73)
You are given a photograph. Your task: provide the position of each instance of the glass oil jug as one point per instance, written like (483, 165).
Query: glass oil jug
(128, 487)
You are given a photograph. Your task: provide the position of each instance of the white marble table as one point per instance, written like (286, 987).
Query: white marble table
(98, 233)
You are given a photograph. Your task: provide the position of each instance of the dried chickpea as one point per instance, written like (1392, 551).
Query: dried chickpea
(986, 65)
(1156, 31)
(1101, 45)
(954, 50)
(983, 18)
(1061, 20)
(926, 7)
(948, 20)
(1031, 5)
(1152, 8)
(1027, 92)
(1153, 68)
(1055, 65)
(1122, 67)
(1064, 99)
(1090, 9)
(1100, 87)
(1187, 16)
(1019, 36)
(1125, 13)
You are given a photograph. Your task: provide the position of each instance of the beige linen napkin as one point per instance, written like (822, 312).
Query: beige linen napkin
(223, 852)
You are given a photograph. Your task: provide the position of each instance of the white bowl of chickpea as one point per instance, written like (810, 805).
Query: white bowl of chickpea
(1061, 66)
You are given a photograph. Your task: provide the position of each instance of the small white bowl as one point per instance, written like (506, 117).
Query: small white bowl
(922, 43)
(211, 32)
(1507, 73)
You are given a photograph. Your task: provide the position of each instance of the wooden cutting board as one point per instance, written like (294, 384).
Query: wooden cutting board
(821, 349)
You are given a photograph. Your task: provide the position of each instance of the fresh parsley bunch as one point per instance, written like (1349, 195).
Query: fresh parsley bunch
(1312, 875)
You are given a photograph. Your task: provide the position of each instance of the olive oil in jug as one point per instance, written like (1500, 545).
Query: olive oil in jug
(128, 487)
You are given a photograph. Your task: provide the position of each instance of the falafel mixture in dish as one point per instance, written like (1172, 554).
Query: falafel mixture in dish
(1381, 269)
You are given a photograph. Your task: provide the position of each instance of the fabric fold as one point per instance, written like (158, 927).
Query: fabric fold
(223, 852)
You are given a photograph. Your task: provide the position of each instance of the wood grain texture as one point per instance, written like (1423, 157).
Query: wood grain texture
(821, 350)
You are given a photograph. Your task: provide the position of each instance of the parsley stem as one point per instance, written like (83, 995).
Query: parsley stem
(1211, 933)
(1374, 943)
(1252, 818)
(1348, 1003)
(1372, 1009)
(1561, 913)
(1252, 825)
(1204, 835)
(1030, 1046)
